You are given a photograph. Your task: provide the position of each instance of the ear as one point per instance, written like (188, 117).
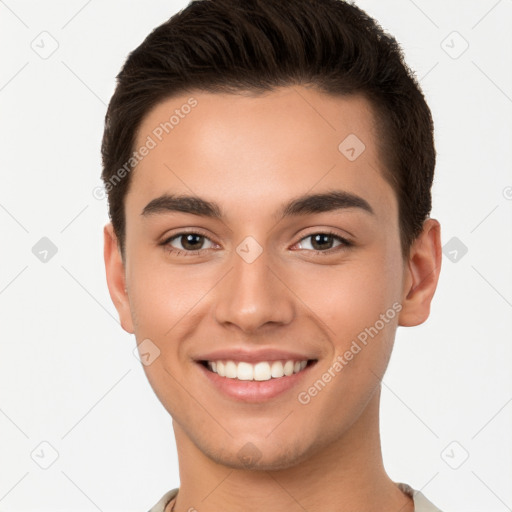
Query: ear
(421, 275)
(116, 282)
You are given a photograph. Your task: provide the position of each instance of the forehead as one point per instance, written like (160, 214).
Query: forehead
(250, 151)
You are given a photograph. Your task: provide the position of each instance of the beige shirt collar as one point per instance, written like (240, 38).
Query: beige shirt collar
(421, 503)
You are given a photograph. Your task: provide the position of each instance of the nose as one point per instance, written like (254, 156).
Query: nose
(254, 296)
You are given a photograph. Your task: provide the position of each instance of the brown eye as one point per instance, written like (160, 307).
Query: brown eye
(191, 241)
(323, 242)
(187, 243)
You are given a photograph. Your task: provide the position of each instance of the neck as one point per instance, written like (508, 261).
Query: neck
(344, 476)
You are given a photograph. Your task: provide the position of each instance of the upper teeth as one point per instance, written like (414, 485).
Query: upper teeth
(263, 370)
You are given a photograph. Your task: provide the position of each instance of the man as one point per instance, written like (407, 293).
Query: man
(269, 167)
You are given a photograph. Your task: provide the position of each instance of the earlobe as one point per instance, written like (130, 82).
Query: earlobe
(421, 275)
(116, 280)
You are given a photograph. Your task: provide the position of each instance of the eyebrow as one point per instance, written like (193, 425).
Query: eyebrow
(302, 205)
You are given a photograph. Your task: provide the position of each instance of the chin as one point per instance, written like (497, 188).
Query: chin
(260, 455)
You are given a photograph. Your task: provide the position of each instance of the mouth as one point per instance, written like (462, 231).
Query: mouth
(257, 380)
(260, 371)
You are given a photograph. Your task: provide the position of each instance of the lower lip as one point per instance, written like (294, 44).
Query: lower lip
(254, 390)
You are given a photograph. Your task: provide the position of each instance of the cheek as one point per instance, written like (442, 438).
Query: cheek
(351, 297)
(166, 300)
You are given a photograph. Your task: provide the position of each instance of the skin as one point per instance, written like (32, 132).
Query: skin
(250, 154)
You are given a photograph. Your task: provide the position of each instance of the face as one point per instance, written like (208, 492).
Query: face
(268, 305)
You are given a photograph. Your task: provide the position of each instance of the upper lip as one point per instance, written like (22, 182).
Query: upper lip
(242, 354)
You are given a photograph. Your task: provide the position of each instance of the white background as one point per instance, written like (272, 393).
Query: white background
(68, 376)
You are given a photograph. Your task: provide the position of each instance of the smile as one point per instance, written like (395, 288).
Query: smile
(261, 371)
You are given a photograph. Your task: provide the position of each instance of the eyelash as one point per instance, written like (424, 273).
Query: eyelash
(179, 252)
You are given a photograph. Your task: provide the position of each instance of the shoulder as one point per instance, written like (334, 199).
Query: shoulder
(421, 503)
(163, 501)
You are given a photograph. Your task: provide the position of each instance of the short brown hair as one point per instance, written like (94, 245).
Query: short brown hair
(257, 45)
